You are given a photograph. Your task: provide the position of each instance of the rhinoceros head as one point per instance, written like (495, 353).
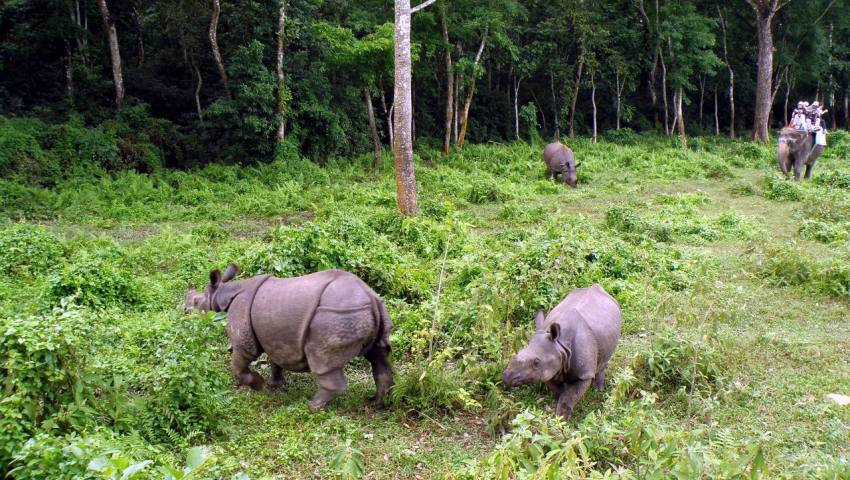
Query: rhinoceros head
(541, 360)
(202, 301)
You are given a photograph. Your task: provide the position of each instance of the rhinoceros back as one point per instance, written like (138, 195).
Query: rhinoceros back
(598, 310)
(281, 315)
(332, 312)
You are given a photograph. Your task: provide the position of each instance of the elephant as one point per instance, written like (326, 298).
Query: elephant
(317, 323)
(795, 148)
(570, 348)
(560, 160)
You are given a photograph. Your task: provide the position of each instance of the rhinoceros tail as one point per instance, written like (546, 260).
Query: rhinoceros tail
(385, 326)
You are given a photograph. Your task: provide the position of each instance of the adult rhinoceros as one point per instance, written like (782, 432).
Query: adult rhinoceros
(317, 323)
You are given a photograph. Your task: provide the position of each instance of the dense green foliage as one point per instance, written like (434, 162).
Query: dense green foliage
(103, 372)
(622, 59)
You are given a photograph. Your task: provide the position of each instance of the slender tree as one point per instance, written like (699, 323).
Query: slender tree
(213, 34)
(114, 51)
(450, 84)
(765, 10)
(281, 86)
(405, 177)
(731, 75)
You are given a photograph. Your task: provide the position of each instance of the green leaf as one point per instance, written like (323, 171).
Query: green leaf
(135, 468)
(196, 456)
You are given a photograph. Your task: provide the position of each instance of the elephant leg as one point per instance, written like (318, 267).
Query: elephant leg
(599, 379)
(570, 396)
(331, 384)
(798, 169)
(808, 173)
(381, 372)
(278, 378)
(240, 362)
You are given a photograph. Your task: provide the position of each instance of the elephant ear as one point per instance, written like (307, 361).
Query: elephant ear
(539, 317)
(230, 273)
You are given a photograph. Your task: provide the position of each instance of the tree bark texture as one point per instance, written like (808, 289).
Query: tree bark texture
(403, 104)
(450, 88)
(373, 128)
(281, 99)
(114, 52)
(213, 33)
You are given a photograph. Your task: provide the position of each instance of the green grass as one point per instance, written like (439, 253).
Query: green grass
(734, 283)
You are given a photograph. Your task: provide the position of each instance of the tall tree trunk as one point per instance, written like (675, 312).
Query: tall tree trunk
(141, 39)
(593, 102)
(450, 88)
(765, 10)
(575, 94)
(373, 128)
(516, 106)
(403, 103)
(281, 86)
(619, 97)
(114, 52)
(731, 76)
(787, 98)
(68, 66)
(701, 96)
(667, 129)
(847, 109)
(387, 114)
(213, 33)
(197, 72)
(716, 113)
(465, 117)
(555, 109)
(680, 115)
(458, 84)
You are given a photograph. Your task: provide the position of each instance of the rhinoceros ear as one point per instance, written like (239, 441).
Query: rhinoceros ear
(554, 331)
(230, 273)
(215, 278)
(538, 319)
(578, 164)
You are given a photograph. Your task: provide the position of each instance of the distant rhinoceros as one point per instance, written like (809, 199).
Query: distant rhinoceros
(561, 161)
(570, 348)
(317, 323)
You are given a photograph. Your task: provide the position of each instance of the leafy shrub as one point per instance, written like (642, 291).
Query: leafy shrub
(343, 243)
(43, 371)
(22, 157)
(623, 136)
(94, 282)
(781, 189)
(789, 267)
(57, 457)
(825, 232)
(485, 190)
(834, 179)
(189, 396)
(673, 362)
(626, 438)
(28, 249)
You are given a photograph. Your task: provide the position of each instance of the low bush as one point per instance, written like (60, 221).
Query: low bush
(94, 282)
(776, 188)
(28, 250)
(674, 362)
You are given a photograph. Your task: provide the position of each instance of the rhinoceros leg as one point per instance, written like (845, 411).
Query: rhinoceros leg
(569, 397)
(599, 379)
(241, 365)
(278, 378)
(331, 384)
(381, 372)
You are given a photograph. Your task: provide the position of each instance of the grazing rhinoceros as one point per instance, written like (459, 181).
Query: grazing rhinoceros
(796, 148)
(560, 160)
(317, 323)
(571, 347)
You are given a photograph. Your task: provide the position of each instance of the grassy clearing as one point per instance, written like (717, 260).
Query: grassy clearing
(735, 286)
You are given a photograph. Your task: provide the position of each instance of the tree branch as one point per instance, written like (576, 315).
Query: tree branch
(421, 6)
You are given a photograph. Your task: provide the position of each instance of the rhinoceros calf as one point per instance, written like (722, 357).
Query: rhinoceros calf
(561, 161)
(317, 323)
(570, 348)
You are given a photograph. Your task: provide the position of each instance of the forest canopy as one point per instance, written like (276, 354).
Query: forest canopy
(235, 82)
